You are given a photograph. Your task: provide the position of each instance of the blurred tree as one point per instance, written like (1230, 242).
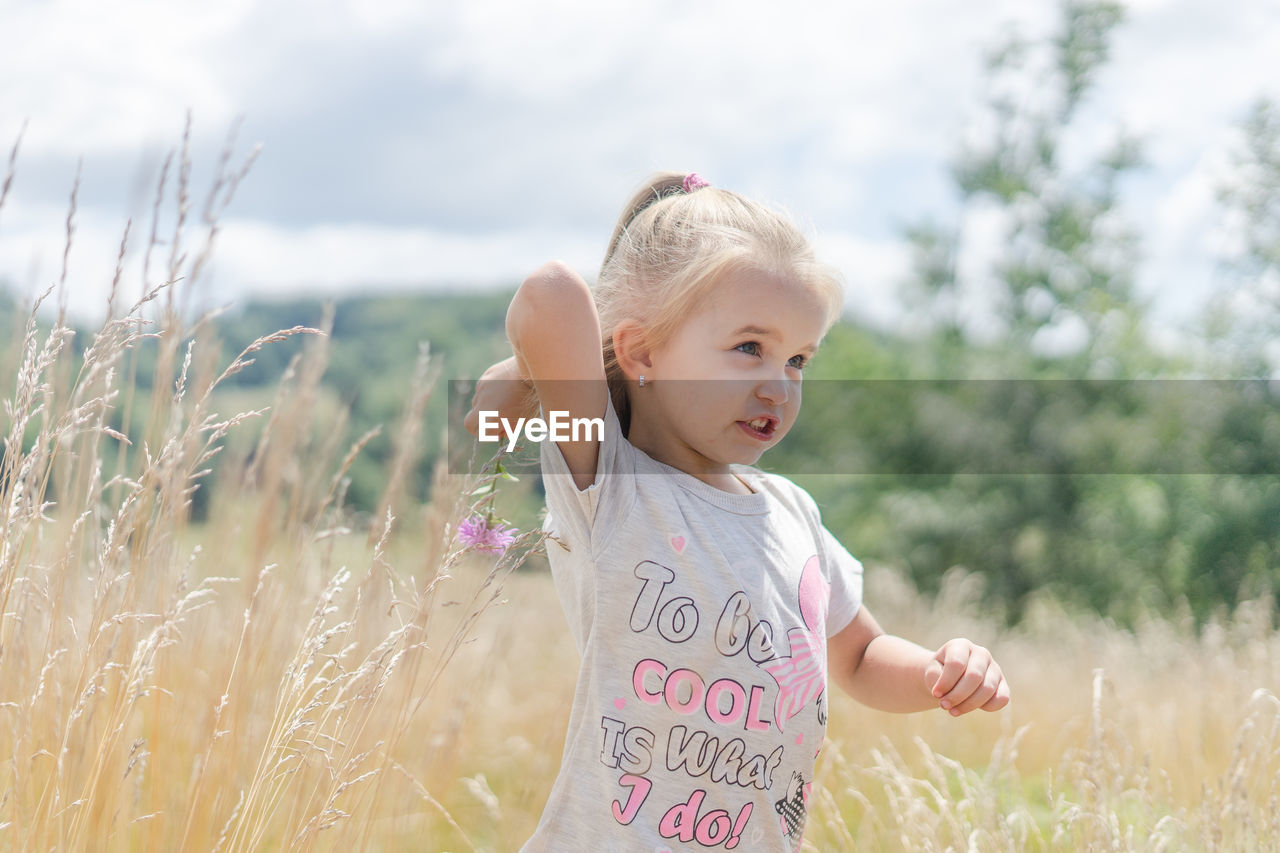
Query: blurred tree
(1244, 321)
(1060, 282)
(1075, 487)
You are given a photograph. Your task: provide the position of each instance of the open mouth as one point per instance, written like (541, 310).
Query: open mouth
(761, 428)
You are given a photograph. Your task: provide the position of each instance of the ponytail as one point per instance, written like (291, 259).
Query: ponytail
(657, 188)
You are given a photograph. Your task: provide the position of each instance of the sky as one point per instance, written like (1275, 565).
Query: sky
(415, 144)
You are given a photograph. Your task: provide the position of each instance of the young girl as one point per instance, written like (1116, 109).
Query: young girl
(706, 598)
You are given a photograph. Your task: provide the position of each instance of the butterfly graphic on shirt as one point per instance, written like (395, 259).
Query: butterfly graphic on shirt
(802, 675)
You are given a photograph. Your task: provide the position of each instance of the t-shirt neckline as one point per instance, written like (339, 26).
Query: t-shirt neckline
(756, 503)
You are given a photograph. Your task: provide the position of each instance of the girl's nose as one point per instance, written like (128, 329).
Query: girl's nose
(776, 391)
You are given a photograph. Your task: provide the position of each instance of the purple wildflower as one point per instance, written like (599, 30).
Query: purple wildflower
(471, 531)
(480, 534)
(499, 538)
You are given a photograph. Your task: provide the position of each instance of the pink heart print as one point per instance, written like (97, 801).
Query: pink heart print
(619, 703)
(677, 542)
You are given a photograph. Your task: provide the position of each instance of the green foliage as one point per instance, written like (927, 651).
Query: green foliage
(1111, 494)
(1067, 258)
(374, 347)
(1124, 496)
(1084, 46)
(1243, 323)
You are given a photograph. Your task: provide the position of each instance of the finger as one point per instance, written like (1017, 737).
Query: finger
(970, 682)
(984, 692)
(472, 421)
(955, 660)
(1000, 699)
(970, 679)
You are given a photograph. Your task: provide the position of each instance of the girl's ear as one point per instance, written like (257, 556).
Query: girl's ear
(632, 350)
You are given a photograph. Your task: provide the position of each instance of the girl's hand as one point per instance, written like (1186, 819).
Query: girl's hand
(963, 676)
(502, 388)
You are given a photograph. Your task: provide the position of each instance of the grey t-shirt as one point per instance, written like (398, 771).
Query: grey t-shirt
(701, 618)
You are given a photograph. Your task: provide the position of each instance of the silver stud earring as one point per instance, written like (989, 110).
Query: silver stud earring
(641, 380)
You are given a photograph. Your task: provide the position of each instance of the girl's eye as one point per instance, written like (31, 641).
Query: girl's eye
(798, 362)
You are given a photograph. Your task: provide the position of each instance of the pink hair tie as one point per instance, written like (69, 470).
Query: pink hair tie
(694, 181)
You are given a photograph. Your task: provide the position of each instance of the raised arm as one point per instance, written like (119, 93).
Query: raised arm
(892, 674)
(555, 334)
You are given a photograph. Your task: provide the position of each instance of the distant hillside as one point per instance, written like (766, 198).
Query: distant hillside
(373, 350)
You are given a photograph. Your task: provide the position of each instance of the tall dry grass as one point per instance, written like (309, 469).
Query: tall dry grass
(281, 675)
(1153, 738)
(261, 680)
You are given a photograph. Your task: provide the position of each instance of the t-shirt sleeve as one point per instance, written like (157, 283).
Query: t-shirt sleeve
(844, 574)
(584, 516)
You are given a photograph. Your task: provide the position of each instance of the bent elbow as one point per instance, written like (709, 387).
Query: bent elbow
(551, 290)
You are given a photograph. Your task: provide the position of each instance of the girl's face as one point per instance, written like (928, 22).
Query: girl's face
(726, 386)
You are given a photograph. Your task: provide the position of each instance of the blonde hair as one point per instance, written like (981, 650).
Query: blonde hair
(671, 247)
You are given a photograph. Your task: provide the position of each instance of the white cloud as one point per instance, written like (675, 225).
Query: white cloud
(329, 258)
(101, 76)
(488, 135)
(31, 256)
(252, 259)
